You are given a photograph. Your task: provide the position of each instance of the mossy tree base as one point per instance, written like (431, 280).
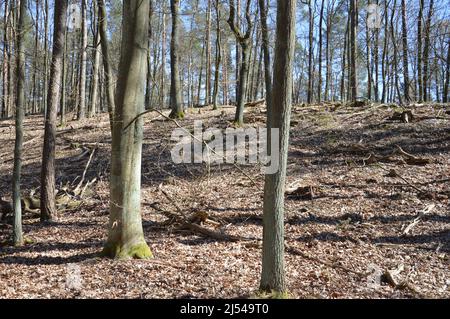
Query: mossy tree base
(271, 294)
(119, 251)
(177, 115)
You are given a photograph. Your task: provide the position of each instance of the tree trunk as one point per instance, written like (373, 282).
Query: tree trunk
(426, 52)
(405, 53)
(208, 54)
(83, 54)
(319, 89)
(245, 45)
(176, 99)
(20, 114)
(106, 59)
(95, 69)
(218, 57)
(126, 236)
(419, 51)
(48, 207)
(353, 50)
(447, 74)
(273, 273)
(263, 9)
(310, 54)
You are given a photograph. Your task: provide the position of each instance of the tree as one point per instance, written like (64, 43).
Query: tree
(405, 53)
(353, 50)
(311, 53)
(83, 54)
(176, 100)
(96, 63)
(273, 276)
(106, 59)
(426, 53)
(218, 57)
(319, 91)
(48, 206)
(244, 40)
(263, 9)
(419, 51)
(126, 235)
(20, 114)
(447, 74)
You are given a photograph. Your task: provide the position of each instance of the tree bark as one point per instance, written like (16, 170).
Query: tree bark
(126, 236)
(218, 57)
(405, 54)
(106, 59)
(176, 99)
(310, 54)
(426, 53)
(83, 55)
(353, 50)
(245, 44)
(273, 272)
(419, 51)
(95, 68)
(48, 206)
(20, 115)
(263, 9)
(447, 74)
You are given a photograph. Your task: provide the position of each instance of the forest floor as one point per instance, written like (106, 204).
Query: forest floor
(350, 231)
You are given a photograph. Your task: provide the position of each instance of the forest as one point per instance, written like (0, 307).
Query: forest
(224, 149)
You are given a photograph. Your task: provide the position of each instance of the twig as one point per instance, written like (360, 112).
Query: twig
(418, 219)
(77, 189)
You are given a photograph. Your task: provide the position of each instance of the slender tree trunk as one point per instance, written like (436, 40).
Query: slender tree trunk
(176, 99)
(62, 112)
(263, 9)
(208, 54)
(426, 52)
(273, 272)
(319, 89)
(405, 54)
(83, 55)
(162, 95)
(447, 74)
(353, 50)
(218, 56)
(20, 115)
(48, 206)
(419, 51)
(35, 62)
(126, 236)
(44, 95)
(368, 64)
(245, 43)
(95, 68)
(106, 59)
(310, 53)
(6, 62)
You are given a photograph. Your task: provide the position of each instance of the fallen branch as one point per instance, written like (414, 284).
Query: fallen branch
(78, 188)
(418, 219)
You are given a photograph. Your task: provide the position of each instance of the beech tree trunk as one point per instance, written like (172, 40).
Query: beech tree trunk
(126, 236)
(273, 272)
(20, 115)
(106, 59)
(176, 99)
(48, 206)
(83, 55)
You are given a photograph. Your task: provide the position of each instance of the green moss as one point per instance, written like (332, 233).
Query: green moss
(177, 115)
(117, 251)
(261, 294)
